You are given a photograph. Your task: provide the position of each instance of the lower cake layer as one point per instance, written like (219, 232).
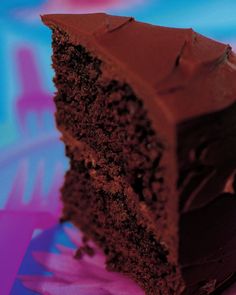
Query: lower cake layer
(207, 254)
(115, 222)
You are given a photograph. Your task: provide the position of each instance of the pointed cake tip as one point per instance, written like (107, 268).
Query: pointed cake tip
(91, 23)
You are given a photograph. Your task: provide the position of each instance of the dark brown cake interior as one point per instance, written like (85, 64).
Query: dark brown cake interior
(110, 119)
(115, 188)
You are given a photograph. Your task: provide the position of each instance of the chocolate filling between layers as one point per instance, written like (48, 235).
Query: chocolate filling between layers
(107, 116)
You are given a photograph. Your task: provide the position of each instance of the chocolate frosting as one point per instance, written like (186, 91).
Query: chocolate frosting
(207, 249)
(187, 74)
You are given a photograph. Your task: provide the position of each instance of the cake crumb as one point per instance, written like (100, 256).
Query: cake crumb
(84, 250)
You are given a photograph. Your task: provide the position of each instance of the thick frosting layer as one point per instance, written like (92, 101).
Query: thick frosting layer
(207, 251)
(188, 74)
(206, 157)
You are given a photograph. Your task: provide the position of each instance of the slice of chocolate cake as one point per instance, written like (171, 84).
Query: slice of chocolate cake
(148, 118)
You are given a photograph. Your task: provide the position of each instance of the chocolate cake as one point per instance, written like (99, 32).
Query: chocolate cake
(148, 118)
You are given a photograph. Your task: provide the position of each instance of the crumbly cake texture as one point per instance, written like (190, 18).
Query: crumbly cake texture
(148, 118)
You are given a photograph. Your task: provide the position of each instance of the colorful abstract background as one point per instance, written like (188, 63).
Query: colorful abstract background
(32, 159)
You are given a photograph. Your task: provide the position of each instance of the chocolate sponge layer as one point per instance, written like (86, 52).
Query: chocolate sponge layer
(115, 189)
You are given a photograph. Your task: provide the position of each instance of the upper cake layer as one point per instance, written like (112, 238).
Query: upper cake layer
(183, 74)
